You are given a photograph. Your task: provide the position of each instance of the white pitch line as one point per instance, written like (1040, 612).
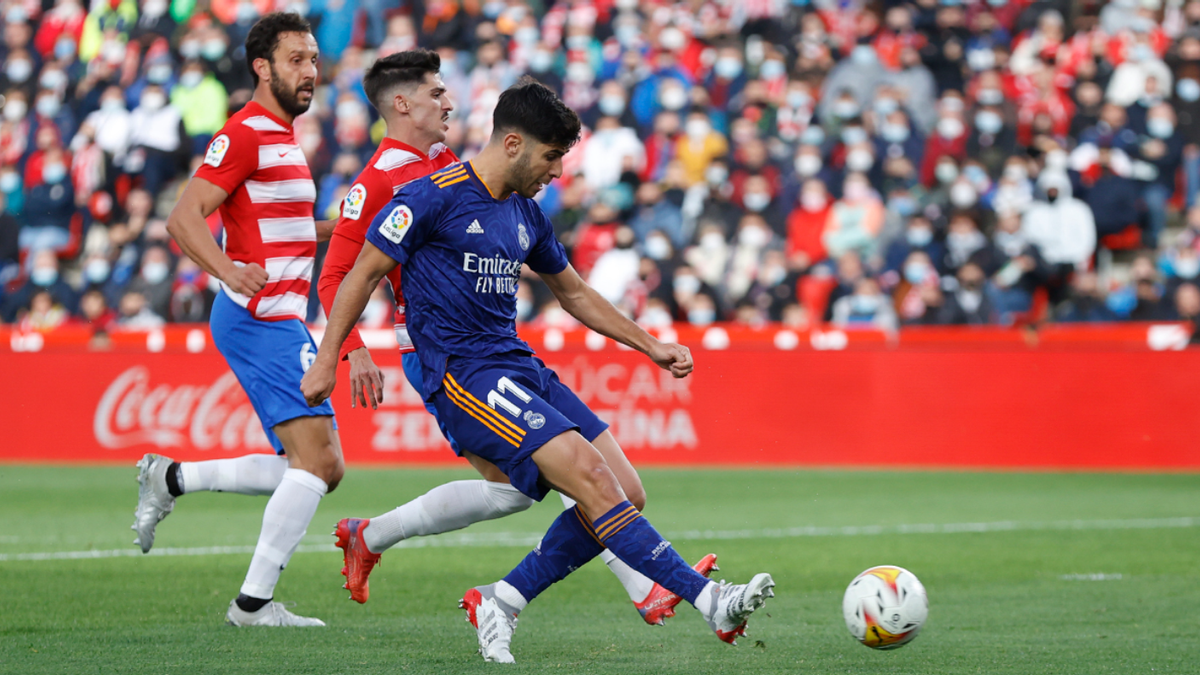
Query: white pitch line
(525, 539)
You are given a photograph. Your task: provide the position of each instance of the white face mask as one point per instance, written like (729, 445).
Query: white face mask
(859, 160)
(812, 201)
(756, 201)
(658, 248)
(711, 241)
(111, 105)
(14, 110)
(19, 71)
(153, 101)
(686, 284)
(48, 106)
(962, 195)
(856, 191)
(946, 173)
(190, 79)
(53, 79)
(697, 130)
(808, 165)
(673, 98)
(950, 127)
(155, 272)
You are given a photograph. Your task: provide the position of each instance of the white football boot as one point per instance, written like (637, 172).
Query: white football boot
(270, 614)
(154, 501)
(494, 622)
(734, 604)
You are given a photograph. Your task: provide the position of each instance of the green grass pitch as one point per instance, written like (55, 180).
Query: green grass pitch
(1026, 573)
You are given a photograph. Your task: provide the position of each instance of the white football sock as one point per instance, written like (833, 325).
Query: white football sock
(706, 601)
(452, 506)
(257, 474)
(285, 520)
(637, 585)
(510, 595)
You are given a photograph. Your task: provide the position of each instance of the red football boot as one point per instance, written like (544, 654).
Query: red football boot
(357, 558)
(659, 605)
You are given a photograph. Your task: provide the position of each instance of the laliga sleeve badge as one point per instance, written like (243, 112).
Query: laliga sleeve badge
(353, 204)
(216, 151)
(396, 225)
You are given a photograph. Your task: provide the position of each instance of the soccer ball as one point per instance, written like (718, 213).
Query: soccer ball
(885, 607)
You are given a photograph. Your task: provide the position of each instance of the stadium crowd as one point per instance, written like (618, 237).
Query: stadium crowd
(877, 164)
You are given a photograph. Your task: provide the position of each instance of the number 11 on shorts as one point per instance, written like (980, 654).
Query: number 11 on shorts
(497, 401)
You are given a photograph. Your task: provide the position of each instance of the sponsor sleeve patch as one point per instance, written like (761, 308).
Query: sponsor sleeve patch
(216, 151)
(397, 224)
(352, 206)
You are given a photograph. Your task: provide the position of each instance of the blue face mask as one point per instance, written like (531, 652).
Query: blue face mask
(915, 272)
(43, 276)
(864, 304)
(905, 206)
(918, 237)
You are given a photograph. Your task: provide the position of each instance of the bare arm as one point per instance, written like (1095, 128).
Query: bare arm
(584, 303)
(188, 227)
(325, 229)
(352, 296)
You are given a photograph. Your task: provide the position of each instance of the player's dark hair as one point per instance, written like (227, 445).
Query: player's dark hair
(533, 109)
(399, 69)
(264, 36)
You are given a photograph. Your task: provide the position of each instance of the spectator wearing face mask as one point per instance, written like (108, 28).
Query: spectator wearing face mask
(1061, 226)
(606, 151)
(43, 276)
(203, 103)
(965, 243)
(750, 246)
(918, 296)
(991, 140)
(856, 220)
(154, 281)
(63, 22)
(107, 17)
(918, 237)
(699, 145)
(111, 127)
(49, 111)
(969, 304)
(1128, 82)
(19, 77)
(806, 226)
(1183, 265)
(50, 205)
(1115, 200)
(1017, 270)
(616, 269)
(654, 213)
(1156, 161)
(949, 139)
(865, 308)
(851, 82)
(895, 134)
(758, 199)
(156, 141)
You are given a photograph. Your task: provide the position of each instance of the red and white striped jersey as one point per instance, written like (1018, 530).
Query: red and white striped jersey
(268, 215)
(393, 165)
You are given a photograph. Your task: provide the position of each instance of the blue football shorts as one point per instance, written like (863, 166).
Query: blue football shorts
(506, 406)
(269, 359)
(412, 371)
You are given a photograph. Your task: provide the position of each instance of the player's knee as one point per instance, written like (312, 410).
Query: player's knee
(602, 483)
(636, 495)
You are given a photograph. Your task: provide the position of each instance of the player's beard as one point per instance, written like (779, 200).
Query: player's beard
(289, 99)
(522, 176)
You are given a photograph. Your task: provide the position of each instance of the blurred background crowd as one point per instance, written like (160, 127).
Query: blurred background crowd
(870, 164)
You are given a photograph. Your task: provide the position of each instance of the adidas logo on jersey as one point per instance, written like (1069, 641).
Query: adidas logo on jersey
(475, 228)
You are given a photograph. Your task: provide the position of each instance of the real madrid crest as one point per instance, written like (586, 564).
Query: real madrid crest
(523, 236)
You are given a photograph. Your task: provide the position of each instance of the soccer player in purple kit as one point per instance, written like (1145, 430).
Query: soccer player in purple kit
(463, 235)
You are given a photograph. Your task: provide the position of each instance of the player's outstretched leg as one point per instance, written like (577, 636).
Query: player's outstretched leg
(161, 480)
(315, 458)
(653, 602)
(445, 508)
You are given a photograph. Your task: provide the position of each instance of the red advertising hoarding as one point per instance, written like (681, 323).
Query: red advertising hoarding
(1084, 399)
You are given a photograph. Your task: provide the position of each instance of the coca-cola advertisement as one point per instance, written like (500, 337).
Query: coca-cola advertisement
(918, 408)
